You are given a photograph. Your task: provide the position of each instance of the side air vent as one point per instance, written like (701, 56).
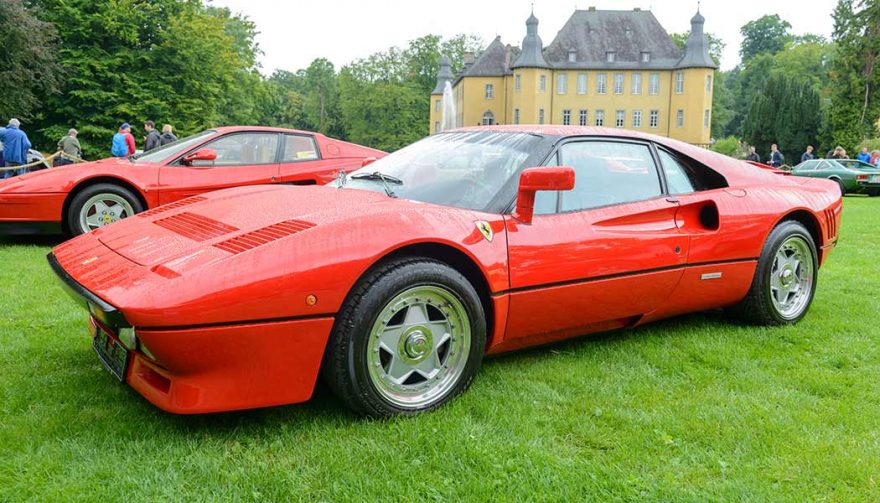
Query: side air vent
(830, 223)
(195, 227)
(172, 206)
(262, 236)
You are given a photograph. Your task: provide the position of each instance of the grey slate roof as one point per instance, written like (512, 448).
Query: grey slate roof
(532, 55)
(444, 76)
(491, 63)
(593, 33)
(696, 49)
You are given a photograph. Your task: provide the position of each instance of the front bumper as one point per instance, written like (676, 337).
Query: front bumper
(215, 368)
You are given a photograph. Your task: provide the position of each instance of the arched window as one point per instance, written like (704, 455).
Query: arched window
(488, 118)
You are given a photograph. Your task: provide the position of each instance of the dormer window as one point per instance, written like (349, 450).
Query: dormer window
(572, 55)
(628, 31)
(610, 57)
(646, 57)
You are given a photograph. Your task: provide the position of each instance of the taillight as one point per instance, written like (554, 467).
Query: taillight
(861, 178)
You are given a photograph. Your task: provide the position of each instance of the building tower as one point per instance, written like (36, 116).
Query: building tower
(444, 76)
(532, 80)
(692, 85)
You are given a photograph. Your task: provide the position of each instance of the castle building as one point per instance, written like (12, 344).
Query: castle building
(606, 68)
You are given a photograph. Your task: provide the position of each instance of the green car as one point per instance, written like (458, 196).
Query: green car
(853, 176)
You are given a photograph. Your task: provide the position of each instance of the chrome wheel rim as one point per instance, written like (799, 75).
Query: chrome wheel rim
(791, 277)
(418, 346)
(103, 209)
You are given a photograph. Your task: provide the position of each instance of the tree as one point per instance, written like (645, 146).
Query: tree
(28, 66)
(855, 72)
(785, 112)
(765, 35)
(321, 96)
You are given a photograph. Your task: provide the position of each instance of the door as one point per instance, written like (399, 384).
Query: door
(244, 158)
(301, 162)
(606, 253)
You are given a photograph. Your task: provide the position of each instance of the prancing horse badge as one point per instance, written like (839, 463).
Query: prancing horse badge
(485, 229)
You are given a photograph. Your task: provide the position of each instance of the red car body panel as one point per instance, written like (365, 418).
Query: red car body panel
(236, 306)
(39, 198)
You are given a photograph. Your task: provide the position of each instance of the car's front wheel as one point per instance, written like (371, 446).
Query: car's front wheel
(785, 278)
(409, 337)
(100, 205)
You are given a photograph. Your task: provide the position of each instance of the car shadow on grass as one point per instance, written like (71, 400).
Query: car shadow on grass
(32, 240)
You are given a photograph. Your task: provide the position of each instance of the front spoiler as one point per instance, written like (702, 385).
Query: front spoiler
(95, 305)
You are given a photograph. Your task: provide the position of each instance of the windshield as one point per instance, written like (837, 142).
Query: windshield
(855, 164)
(466, 170)
(174, 148)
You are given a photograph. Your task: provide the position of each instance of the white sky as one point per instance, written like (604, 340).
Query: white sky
(294, 32)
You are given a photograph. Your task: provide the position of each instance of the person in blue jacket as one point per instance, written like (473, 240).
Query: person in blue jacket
(15, 148)
(864, 156)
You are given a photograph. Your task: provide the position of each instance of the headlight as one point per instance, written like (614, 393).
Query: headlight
(128, 338)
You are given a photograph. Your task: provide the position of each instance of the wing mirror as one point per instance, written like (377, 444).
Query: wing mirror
(534, 179)
(367, 161)
(202, 154)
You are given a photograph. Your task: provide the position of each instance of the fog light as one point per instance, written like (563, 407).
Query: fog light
(128, 338)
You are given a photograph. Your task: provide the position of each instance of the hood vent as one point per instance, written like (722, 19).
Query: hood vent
(172, 206)
(195, 227)
(259, 237)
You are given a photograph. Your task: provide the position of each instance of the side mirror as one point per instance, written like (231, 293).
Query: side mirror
(534, 179)
(202, 154)
(367, 161)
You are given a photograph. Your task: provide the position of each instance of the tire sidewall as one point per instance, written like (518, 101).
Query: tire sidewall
(779, 234)
(84, 195)
(371, 304)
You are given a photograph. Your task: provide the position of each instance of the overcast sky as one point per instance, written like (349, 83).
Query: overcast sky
(293, 33)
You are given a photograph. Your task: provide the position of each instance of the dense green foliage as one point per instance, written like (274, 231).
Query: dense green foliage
(690, 409)
(765, 35)
(28, 68)
(728, 146)
(784, 112)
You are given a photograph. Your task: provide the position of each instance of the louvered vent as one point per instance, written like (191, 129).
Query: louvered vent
(195, 226)
(262, 236)
(831, 223)
(172, 206)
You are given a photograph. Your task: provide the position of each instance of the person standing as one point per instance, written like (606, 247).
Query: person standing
(864, 156)
(152, 140)
(123, 142)
(167, 135)
(875, 158)
(753, 156)
(808, 155)
(775, 159)
(69, 146)
(15, 148)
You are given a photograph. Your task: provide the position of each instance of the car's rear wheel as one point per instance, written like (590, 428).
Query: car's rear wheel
(841, 185)
(785, 278)
(100, 205)
(408, 339)
(874, 193)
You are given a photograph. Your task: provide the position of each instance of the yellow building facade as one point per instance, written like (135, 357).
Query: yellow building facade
(617, 69)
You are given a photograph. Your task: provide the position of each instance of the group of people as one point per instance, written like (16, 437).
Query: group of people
(123, 144)
(776, 159)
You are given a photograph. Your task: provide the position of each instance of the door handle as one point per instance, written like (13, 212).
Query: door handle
(273, 178)
(673, 200)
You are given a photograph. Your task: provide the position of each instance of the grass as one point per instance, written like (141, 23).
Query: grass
(690, 409)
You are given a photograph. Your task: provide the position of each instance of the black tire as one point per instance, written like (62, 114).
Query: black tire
(346, 360)
(758, 307)
(841, 185)
(874, 193)
(72, 219)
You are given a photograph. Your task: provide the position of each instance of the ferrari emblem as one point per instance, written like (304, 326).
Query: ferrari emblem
(485, 229)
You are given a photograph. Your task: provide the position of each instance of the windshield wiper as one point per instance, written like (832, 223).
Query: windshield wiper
(385, 179)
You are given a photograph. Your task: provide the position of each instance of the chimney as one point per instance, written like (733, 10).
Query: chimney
(468, 58)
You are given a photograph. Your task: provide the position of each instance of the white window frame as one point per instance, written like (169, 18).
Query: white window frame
(620, 118)
(566, 117)
(490, 91)
(572, 56)
(516, 115)
(610, 56)
(562, 83)
(583, 117)
(602, 83)
(600, 118)
(646, 56)
(654, 119)
(654, 84)
(636, 87)
(582, 83)
(542, 83)
(437, 104)
(636, 118)
(679, 82)
(517, 82)
(618, 83)
(490, 115)
(679, 118)
(540, 116)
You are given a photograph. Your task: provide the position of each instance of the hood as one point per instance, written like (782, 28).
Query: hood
(204, 229)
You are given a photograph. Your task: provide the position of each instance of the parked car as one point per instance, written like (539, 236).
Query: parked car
(852, 175)
(75, 199)
(397, 279)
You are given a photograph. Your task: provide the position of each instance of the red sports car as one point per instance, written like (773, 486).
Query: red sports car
(396, 280)
(78, 198)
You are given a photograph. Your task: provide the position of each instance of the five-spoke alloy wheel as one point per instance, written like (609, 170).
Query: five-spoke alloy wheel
(410, 336)
(100, 205)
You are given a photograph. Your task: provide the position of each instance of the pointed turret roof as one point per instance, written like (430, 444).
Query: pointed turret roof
(532, 54)
(444, 76)
(696, 49)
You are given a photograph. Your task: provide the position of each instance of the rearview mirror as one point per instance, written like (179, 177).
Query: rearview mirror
(202, 154)
(367, 161)
(534, 179)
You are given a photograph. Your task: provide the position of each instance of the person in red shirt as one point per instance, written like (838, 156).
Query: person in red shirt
(123, 142)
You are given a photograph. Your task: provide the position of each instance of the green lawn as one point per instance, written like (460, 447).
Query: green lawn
(691, 409)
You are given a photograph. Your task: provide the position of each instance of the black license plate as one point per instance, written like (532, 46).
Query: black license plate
(111, 352)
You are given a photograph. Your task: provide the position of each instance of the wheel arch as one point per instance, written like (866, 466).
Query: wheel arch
(458, 260)
(809, 220)
(84, 184)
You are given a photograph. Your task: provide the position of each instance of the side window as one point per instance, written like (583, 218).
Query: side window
(299, 148)
(545, 200)
(241, 149)
(608, 173)
(820, 166)
(677, 177)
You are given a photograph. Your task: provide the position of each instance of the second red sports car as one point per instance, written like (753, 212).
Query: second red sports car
(78, 198)
(399, 278)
